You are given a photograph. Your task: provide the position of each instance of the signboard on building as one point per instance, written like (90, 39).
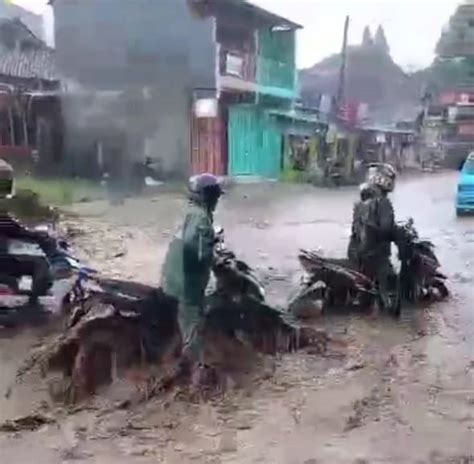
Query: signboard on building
(448, 98)
(380, 137)
(465, 99)
(456, 98)
(234, 65)
(466, 129)
(452, 114)
(206, 108)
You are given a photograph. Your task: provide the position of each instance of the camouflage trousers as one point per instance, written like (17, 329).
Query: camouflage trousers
(380, 270)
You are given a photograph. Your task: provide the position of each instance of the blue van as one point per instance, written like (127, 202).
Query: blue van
(465, 196)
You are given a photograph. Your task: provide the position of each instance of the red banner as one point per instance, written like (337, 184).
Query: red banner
(456, 97)
(466, 129)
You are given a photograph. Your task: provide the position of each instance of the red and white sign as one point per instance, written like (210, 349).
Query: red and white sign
(457, 98)
(466, 129)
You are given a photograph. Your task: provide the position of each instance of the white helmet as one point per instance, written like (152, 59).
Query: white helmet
(383, 175)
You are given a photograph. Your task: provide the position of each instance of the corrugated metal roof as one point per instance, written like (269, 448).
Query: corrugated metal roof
(386, 129)
(22, 54)
(296, 115)
(33, 64)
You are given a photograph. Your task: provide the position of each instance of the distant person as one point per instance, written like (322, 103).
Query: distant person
(115, 178)
(141, 170)
(187, 267)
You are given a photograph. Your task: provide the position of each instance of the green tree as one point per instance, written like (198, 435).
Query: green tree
(367, 40)
(380, 40)
(454, 63)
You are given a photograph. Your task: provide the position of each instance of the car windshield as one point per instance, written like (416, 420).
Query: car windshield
(469, 167)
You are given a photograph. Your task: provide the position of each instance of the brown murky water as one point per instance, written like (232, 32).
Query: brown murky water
(402, 391)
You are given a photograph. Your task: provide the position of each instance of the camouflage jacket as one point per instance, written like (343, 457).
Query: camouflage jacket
(373, 228)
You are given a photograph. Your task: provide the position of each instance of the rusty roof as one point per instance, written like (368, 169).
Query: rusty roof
(31, 64)
(35, 60)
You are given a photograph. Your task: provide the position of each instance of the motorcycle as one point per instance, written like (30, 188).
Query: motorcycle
(118, 324)
(233, 274)
(420, 275)
(330, 283)
(66, 277)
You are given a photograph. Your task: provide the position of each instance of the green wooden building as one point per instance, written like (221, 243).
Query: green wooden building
(246, 134)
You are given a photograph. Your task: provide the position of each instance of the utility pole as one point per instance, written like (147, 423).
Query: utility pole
(342, 71)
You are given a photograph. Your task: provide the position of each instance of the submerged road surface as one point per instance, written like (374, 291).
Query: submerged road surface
(402, 392)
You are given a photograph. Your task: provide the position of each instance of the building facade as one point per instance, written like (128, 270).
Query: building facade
(455, 93)
(30, 114)
(189, 83)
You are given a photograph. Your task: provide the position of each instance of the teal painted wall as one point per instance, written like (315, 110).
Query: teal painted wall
(255, 143)
(276, 64)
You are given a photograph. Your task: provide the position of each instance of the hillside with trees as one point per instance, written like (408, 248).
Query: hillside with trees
(371, 77)
(374, 78)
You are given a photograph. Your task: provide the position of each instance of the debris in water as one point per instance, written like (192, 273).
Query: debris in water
(30, 422)
(355, 366)
(363, 409)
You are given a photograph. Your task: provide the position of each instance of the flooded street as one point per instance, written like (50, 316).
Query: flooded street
(402, 392)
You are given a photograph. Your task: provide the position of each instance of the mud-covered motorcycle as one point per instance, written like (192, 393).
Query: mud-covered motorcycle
(330, 283)
(118, 324)
(63, 279)
(420, 276)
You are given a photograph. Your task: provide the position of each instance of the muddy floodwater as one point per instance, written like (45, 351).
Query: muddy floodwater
(399, 392)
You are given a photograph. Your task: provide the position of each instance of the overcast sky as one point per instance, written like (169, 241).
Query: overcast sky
(412, 26)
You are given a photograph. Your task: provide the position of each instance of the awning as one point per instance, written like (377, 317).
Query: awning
(296, 115)
(386, 130)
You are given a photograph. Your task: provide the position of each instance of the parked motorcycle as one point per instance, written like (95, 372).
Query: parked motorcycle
(64, 287)
(330, 283)
(119, 324)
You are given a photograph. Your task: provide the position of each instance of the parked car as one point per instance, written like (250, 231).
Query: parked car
(465, 195)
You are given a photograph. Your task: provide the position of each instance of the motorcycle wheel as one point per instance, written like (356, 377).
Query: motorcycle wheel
(442, 289)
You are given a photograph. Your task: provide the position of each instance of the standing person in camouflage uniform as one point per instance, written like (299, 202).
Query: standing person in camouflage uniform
(373, 231)
(187, 268)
